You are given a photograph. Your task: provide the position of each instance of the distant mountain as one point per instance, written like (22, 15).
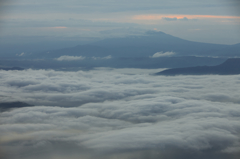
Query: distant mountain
(11, 68)
(229, 67)
(230, 51)
(144, 46)
(153, 42)
(80, 50)
(124, 62)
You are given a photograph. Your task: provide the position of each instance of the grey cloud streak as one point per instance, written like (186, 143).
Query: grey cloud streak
(119, 113)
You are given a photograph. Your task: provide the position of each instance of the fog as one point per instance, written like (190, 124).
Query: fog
(119, 113)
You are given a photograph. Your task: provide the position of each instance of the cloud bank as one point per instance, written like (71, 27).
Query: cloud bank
(175, 19)
(70, 58)
(119, 113)
(102, 58)
(161, 54)
(76, 58)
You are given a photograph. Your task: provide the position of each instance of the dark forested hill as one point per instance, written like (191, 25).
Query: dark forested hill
(229, 67)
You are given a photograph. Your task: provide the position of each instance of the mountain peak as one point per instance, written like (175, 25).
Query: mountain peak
(152, 32)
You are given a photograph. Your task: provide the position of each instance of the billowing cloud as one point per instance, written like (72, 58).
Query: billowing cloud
(162, 54)
(124, 113)
(70, 58)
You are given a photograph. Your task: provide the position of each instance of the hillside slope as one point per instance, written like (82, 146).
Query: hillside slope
(229, 67)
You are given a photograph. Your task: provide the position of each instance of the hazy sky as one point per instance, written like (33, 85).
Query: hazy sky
(213, 21)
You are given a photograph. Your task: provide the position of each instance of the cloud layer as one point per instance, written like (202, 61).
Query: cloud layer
(119, 113)
(70, 58)
(161, 54)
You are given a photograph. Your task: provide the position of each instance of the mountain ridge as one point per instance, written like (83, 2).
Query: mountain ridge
(140, 46)
(229, 67)
(144, 46)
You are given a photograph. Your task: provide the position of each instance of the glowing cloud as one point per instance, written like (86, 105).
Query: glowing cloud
(160, 16)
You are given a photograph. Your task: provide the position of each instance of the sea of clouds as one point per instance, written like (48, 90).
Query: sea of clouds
(119, 113)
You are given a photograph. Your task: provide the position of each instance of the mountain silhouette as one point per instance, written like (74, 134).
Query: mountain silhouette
(229, 67)
(11, 68)
(144, 46)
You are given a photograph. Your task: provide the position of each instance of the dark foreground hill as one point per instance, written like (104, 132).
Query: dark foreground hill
(229, 67)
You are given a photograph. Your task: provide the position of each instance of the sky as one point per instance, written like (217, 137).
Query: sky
(78, 21)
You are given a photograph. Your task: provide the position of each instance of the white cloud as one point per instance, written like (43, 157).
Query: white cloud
(100, 58)
(120, 112)
(21, 54)
(161, 54)
(70, 58)
(107, 57)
